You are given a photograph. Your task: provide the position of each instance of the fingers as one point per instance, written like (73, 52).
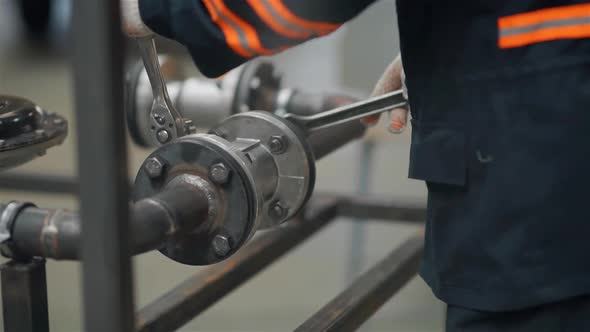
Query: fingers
(133, 25)
(370, 120)
(390, 80)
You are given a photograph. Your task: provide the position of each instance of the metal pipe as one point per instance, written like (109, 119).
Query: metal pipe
(56, 233)
(44, 183)
(349, 310)
(196, 294)
(363, 208)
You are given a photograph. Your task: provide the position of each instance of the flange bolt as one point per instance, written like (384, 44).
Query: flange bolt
(277, 144)
(221, 245)
(219, 173)
(154, 167)
(277, 211)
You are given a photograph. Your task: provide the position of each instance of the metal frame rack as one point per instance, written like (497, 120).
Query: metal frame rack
(105, 248)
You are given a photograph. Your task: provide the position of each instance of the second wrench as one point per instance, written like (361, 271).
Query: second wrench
(356, 111)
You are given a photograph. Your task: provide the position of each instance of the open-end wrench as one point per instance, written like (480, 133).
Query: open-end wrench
(356, 111)
(165, 122)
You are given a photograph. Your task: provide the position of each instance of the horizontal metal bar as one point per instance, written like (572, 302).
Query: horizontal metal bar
(196, 294)
(363, 208)
(39, 183)
(349, 310)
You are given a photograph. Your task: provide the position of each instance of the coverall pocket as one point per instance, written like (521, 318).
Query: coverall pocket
(437, 154)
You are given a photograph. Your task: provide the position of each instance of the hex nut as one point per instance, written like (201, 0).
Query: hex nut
(154, 167)
(221, 245)
(219, 173)
(277, 211)
(278, 144)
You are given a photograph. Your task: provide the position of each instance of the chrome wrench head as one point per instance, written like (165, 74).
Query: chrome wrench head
(165, 122)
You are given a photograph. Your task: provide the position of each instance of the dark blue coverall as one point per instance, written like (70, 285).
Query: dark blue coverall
(500, 99)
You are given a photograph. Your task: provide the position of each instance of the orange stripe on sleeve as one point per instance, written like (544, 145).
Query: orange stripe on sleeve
(547, 34)
(249, 31)
(544, 15)
(279, 28)
(232, 37)
(321, 28)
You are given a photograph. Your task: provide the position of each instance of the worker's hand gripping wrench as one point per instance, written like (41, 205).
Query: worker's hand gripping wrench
(356, 111)
(165, 122)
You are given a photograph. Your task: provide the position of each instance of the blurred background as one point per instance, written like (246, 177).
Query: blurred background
(33, 64)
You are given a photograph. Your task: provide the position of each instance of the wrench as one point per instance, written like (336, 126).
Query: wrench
(166, 123)
(356, 111)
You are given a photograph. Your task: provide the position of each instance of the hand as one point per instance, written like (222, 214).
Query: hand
(392, 79)
(133, 25)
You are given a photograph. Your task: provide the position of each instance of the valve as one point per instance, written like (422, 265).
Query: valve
(27, 131)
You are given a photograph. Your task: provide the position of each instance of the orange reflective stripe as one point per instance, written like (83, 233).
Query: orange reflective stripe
(321, 28)
(544, 15)
(240, 36)
(232, 37)
(566, 22)
(566, 32)
(275, 23)
(249, 31)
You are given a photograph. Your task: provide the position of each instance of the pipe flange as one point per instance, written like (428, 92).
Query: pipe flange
(234, 212)
(286, 149)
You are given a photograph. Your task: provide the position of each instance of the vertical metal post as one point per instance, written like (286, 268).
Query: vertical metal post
(98, 80)
(358, 237)
(24, 296)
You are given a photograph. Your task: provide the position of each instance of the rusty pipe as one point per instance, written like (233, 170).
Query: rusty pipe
(56, 234)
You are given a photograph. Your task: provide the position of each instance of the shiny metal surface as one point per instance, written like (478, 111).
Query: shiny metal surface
(344, 114)
(165, 122)
(279, 158)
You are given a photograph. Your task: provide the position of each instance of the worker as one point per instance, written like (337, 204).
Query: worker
(499, 95)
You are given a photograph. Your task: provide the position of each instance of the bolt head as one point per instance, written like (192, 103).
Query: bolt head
(154, 167)
(277, 144)
(219, 173)
(277, 211)
(221, 245)
(163, 136)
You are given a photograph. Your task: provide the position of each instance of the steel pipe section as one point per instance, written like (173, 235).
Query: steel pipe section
(56, 234)
(253, 86)
(259, 165)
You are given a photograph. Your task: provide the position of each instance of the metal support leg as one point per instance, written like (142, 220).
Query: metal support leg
(24, 296)
(106, 249)
(358, 239)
